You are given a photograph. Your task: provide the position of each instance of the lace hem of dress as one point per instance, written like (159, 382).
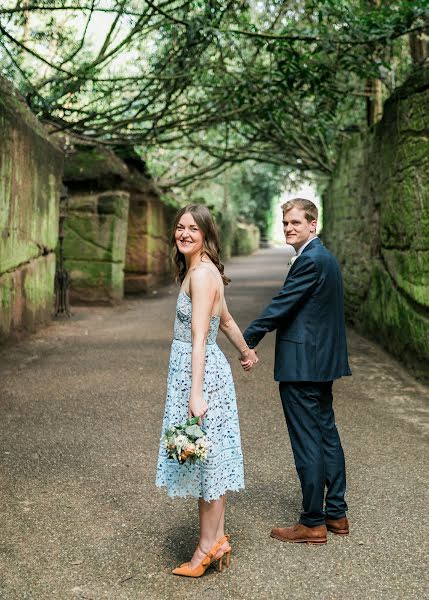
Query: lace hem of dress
(180, 493)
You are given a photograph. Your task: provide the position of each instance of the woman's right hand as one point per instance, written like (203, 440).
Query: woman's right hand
(197, 407)
(248, 358)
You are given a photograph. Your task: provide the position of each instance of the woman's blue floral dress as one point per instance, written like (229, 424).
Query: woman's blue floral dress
(223, 469)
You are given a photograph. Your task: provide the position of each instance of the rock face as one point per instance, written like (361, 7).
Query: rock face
(147, 258)
(116, 230)
(94, 245)
(376, 221)
(147, 261)
(95, 229)
(30, 181)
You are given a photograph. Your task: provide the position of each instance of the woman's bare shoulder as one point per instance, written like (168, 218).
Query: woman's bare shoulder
(205, 277)
(201, 275)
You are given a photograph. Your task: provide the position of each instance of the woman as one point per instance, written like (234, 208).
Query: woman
(199, 384)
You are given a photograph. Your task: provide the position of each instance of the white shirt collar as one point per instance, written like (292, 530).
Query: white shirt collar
(304, 245)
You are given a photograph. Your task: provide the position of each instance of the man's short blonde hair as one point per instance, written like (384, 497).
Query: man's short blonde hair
(311, 212)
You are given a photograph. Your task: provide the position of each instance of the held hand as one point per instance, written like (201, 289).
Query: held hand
(246, 364)
(249, 359)
(198, 407)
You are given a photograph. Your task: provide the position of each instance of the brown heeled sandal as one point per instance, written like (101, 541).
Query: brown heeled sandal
(185, 571)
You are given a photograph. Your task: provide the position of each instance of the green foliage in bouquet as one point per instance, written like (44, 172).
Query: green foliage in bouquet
(186, 442)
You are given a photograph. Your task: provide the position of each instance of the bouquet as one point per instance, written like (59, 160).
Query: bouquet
(186, 441)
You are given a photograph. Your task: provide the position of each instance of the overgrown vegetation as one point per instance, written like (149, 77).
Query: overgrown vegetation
(202, 85)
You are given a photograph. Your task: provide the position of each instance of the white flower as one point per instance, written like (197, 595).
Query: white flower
(201, 448)
(202, 443)
(181, 440)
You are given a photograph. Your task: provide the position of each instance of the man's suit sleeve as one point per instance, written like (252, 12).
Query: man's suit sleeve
(298, 285)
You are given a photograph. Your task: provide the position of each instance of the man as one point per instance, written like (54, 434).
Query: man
(311, 351)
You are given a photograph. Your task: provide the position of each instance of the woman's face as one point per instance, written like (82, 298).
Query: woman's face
(189, 237)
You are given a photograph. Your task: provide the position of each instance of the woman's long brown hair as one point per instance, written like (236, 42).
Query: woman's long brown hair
(205, 222)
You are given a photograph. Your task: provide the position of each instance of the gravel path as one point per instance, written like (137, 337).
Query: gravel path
(81, 406)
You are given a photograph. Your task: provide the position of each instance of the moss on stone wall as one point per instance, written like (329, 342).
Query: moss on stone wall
(350, 222)
(26, 296)
(95, 238)
(39, 287)
(30, 180)
(30, 170)
(91, 163)
(395, 322)
(410, 271)
(101, 228)
(376, 221)
(92, 281)
(246, 239)
(226, 225)
(7, 299)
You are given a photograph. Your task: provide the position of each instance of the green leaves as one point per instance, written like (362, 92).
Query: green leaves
(194, 432)
(222, 82)
(191, 428)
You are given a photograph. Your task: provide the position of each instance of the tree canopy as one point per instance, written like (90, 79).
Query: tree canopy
(205, 84)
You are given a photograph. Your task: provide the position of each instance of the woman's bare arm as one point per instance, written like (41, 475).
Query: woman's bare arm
(203, 293)
(230, 328)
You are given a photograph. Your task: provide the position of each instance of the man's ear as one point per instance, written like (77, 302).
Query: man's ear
(313, 225)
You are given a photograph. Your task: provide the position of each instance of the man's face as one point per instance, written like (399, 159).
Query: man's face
(296, 228)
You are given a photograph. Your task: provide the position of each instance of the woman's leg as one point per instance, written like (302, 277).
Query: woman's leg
(221, 525)
(212, 517)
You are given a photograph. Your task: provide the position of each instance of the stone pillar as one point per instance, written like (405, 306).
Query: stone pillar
(147, 258)
(30, 181)
(116, 232)
(95, 233)
(95, 229)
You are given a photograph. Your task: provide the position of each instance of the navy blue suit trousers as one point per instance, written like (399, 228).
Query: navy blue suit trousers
(317, 450)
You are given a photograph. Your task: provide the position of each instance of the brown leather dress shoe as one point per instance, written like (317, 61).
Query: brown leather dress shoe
(338, 526)
(301, 534)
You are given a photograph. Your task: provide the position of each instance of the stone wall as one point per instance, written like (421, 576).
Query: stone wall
(115, 236)
(376, 221)
(235, 238)
(30, 181)
(95, 229)
(117, 230)
(226, 224)
(246, 239)
(95, 234)
(147, 262)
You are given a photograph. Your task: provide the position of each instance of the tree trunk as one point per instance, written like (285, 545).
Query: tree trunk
(419, 46)
(374, 102)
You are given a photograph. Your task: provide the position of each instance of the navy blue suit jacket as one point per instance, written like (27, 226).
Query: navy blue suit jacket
(308, 314)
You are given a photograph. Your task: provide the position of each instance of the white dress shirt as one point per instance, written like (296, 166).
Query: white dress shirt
(293, 259)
